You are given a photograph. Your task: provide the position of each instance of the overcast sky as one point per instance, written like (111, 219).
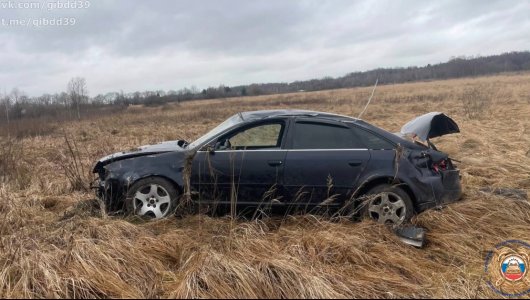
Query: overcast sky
(147, 45)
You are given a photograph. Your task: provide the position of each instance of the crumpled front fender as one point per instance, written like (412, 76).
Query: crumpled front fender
(119, 176)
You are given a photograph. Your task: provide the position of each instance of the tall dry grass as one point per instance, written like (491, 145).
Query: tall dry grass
(55, 242)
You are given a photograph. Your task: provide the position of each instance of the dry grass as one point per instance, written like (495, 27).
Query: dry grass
(55, 243)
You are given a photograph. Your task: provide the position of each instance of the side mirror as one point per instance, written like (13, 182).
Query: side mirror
(208, 148)
(223, 145)
(182, 143)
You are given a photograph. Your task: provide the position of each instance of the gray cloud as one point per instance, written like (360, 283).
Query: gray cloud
(140, 45)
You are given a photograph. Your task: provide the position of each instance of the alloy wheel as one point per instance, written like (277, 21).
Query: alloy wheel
(152, 201)
(387, 208)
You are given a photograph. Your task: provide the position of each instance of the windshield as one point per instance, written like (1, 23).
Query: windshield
(230, 122)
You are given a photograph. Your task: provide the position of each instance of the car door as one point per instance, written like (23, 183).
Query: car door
(323, 162)
(245, 166)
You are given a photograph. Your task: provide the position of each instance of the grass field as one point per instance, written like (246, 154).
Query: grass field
(55, 243)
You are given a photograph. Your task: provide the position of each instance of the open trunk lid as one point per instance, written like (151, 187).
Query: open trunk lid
(430, 125)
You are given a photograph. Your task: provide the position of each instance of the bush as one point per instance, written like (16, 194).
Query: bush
(476, 101)
(73, 167)
(12, 165)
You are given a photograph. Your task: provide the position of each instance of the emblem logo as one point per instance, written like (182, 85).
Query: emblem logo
(513, 268)
(506, 268)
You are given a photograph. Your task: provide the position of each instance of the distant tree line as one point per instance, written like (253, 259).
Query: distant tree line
(457, 67)
(75, 102)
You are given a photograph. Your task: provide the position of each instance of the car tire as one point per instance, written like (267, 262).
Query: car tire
(151, 198)
(387, 204)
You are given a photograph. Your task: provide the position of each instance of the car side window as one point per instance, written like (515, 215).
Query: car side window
(312, 135)
(372, 141)
(258, 137)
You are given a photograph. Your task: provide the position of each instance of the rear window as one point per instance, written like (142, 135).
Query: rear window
(308, 135)
(370, 140)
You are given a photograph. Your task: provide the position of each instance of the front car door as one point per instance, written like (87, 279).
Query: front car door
(245, 166)
(323, 162)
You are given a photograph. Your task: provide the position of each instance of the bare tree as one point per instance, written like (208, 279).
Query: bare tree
(98, 100)
(77, 91)
(16, 101)
(45, 99)
(15, 95)
(6, 104)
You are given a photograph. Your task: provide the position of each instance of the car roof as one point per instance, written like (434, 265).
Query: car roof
(263, 114)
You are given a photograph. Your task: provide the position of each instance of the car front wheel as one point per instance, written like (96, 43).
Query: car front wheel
(153, 198)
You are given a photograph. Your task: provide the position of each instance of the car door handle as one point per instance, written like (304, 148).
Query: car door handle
(355, 163)
(275, 163)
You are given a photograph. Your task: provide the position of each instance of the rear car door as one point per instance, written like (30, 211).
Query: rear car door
(245, 167)
(324, 161)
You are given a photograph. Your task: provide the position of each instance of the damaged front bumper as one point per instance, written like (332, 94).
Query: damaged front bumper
(110, 192)
(99, 188)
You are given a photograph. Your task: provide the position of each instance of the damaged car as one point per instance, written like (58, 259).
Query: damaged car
(288, 158)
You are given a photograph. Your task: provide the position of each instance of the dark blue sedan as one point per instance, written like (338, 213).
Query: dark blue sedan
(290, 158)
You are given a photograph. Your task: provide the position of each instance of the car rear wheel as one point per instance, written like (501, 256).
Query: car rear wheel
(389, 205)
(152, 198)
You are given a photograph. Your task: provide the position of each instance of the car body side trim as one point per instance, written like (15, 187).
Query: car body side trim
(291, 150)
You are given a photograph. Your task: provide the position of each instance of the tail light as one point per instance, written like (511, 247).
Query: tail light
(439, 166)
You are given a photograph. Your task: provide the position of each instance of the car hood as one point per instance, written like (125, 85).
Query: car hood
(168, 146)
(430, 125)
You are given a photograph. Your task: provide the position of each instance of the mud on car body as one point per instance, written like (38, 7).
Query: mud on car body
(288, 158)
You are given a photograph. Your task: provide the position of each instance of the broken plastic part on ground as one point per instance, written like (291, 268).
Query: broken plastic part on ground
(411, 235)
